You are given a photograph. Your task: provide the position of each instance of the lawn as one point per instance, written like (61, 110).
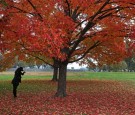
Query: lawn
(88, 94)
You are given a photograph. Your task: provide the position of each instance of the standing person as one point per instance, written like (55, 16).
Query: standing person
(17, 79)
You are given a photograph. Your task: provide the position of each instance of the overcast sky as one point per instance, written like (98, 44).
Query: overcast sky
(75, 66)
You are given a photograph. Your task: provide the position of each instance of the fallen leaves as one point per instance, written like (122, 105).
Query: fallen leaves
(85, 98)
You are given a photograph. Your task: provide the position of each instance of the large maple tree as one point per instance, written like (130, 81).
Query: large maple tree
(67, 31)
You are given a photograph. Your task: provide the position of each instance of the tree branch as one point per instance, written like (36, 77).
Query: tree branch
(39, 15)
(20, 10)
(87, 27)
(22, 44)
(87, 51)
(67, 10)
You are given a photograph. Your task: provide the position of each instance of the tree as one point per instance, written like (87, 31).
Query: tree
(130, 45)
(119, 66)
(69, 30)
(130, 64)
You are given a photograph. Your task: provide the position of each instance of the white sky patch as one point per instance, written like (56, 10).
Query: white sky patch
(99, 28)
(132, 21)
(1, 16)
(33, 33)
(75, 66)
(16, 1)
(29, 15)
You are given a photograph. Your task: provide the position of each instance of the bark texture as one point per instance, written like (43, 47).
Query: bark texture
(55, 74)
(61, 90)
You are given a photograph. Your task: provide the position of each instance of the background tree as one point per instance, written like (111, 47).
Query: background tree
(130, 64)
(121, 66)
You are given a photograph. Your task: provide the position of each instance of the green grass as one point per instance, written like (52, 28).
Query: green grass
(25, 77)
(5, 79)
(105, 76)
(124, 76)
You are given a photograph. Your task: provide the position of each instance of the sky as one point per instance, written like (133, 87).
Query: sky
(75, 66)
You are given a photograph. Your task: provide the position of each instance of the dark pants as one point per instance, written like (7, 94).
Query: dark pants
(15, 89)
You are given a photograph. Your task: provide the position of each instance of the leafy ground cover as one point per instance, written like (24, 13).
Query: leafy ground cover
(86, 97)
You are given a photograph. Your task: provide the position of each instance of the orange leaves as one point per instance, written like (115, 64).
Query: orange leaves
(50, 26)
(83, 4)
(7, 60)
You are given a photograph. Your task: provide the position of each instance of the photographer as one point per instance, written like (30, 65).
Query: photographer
(17, 79)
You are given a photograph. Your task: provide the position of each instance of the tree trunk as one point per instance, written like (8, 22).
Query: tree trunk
(55, 70)
(61, 90)
(55, 74)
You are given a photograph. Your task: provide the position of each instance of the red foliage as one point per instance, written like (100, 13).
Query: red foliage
(50, 26)
(86, 97)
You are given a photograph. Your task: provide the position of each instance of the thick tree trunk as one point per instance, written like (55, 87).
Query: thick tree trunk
(61, 90)
(55, 74)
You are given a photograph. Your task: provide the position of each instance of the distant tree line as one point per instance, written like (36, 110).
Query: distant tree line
(127, 65)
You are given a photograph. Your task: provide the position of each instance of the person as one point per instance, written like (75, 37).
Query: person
(17, 79)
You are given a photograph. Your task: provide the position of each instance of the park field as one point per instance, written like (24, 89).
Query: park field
(89, 93)
(122, 76)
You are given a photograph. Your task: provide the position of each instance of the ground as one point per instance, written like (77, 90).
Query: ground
(85, 97)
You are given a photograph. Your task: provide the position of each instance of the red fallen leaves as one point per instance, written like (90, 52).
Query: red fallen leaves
(85, 98)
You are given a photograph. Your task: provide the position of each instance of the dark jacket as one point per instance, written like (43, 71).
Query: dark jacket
(17, 76)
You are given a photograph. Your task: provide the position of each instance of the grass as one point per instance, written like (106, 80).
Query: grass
(6, 77)
(106, 75)
(124, 76)
(104, 93)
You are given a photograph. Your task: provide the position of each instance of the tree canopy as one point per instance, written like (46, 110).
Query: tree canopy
(67, 29)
